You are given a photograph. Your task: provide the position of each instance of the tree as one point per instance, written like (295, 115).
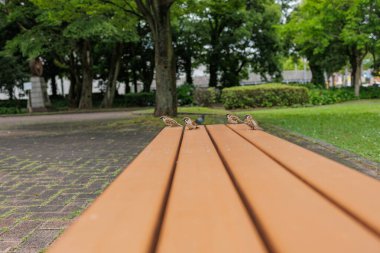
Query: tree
(157, 15)
(15, 17)
(187, 43)
(235, 36)
(329, 31)
(66, 33)
(12, 74)
(87, 24)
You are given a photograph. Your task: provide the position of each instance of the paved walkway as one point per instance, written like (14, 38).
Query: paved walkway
(50, 172)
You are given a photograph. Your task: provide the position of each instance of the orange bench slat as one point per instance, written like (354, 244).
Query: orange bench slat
(356, 193)
(204, 211)
(293, 216)
(126, 216)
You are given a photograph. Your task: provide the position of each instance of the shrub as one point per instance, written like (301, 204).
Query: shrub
(13, 103)
(331, 96)
(59, 102)
(185, 94)
(11, 110)
(370, 92)
(205, 96)
(135, 99)
(265, 95)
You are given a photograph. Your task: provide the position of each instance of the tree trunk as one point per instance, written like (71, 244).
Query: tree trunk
(357, 78)
(213, 69)
(188, 70)
(134, 81)
(87, 62)
(157, 14)
(317, 76)
(147, 77)
(356, 63)
(112, 76)
(127, 87)
(356, 59)
(75, 87)
(53, 85)
(166, 97)
(147, 82)
(146, 87)
(10, 93)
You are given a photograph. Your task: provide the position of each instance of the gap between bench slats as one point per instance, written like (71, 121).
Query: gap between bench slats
(352, 191)
(294, 217)
(125, 217)
(204, 212)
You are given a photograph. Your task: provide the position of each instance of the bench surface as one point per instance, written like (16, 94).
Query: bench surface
(226, 188)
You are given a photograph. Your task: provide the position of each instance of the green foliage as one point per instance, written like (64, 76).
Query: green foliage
(13, 72)
(370, 92)
(234, 35)
(185, 94)
(11, 110)
(13, 106)
(265, 95)
(205, 96)
(331, 96)
(13, 103)
(331, 33)
(135, 99)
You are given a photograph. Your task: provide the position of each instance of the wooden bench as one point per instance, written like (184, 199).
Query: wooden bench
(229, 189)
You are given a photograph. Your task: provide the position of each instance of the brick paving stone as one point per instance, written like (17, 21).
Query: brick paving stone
(55, 224)
(7, 246)
(20, 230)
(49, 215)
(50, 172)
(38, 240)
(6, 222)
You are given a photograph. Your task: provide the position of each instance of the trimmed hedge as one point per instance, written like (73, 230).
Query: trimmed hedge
(264, 95)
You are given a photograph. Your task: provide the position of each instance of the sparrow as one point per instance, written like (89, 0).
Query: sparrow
(232, 119)
(170, 122)
(200, 120)
(249, 121)
(190, 124)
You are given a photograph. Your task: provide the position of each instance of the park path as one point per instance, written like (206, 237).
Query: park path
(7, 121)
(53, 166)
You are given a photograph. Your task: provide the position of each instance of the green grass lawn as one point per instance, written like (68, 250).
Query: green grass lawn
(354, 126)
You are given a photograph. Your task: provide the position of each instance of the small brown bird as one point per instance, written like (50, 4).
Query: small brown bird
(190, 124)
(232, 119)
(170, 122)
(249, 121)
